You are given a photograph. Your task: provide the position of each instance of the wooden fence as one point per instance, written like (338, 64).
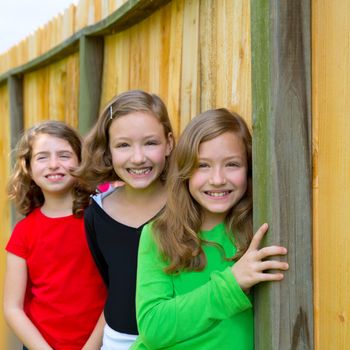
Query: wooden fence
(255, 57)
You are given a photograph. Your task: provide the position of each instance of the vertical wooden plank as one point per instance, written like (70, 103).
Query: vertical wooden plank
(159, 35)
(190, 87)
(116, 67)
(7, 339)
(91, 66)
(282, 167)
(331, 187)
(175, 55)
(36, 102)
(16, 126)
(57, 87)
(225, 56)
(15, 87)
(139, 52)
(208, 54)
(12, 130)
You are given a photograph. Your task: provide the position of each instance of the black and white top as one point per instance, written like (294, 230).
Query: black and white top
(114, 247)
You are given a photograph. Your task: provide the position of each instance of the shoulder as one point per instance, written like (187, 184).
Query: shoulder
(147, 240)
(24, 232)
(147, 232)
(99, 197)
(27, 222)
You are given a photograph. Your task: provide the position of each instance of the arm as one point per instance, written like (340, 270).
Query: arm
(164, 319)
(14, 292)
(95, 340)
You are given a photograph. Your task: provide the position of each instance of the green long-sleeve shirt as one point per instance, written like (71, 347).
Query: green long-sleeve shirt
(204, 310)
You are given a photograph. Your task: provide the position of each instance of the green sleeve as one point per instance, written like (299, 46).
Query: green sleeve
(165, 319)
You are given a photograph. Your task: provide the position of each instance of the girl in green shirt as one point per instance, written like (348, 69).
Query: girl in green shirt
(199, 259)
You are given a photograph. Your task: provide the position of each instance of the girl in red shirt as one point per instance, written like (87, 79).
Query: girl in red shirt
(54, 294)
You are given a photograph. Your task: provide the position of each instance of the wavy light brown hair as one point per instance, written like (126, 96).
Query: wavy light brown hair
(96, 166)
(176, 229)
(26, 194)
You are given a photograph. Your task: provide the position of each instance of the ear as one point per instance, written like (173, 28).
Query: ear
(170, 144)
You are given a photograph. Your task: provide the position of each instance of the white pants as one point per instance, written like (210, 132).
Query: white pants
(113, 340)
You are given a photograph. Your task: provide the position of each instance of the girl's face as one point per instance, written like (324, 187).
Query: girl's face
(220, 180)
(138, 147)
(52, 159)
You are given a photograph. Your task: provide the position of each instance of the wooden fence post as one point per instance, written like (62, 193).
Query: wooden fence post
(282, 167)
(91, 68)
(15, 90)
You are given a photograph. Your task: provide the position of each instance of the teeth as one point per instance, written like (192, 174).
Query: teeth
(217, 194)
(139, 171)
(54, 177)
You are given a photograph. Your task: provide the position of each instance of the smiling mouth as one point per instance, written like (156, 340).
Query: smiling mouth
(142, 171)
(217, 194)
(55, 176)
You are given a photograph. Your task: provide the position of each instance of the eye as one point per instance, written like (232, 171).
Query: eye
(122, 145)
(41, 157)
(203, 165)
(233, 164)
(152, 143)
(65, 156)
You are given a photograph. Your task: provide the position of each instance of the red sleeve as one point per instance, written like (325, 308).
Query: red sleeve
(18, 242)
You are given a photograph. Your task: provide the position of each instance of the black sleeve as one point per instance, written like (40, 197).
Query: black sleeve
(93, 244)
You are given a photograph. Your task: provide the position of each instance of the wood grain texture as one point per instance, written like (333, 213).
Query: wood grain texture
(5, 147)
(139, 57)
(91, 66)
(52, 93)
(190, 85)
(282, 167)
(175, 57)
(225, 56)
(15, 91)
(331, 180)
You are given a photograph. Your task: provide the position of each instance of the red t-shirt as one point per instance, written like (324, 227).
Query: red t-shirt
(65, 294)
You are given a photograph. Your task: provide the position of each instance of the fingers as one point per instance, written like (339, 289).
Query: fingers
(269, 277)
(266, 252)
(273, 265)
(259, 235)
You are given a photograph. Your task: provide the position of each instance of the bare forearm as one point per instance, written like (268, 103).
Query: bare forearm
(25, 330)
(95, 340)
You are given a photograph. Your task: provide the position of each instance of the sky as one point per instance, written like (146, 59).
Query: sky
(19, 18)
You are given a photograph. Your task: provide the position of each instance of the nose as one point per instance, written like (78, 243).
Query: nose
(138, 156)
(53, 162)
(217, 176)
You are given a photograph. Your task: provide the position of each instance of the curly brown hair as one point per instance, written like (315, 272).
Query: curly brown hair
(96, 166)
(176, 229)
(26, 194)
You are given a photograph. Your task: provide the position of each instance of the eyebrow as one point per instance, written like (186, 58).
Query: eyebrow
(225, 159)
(46, 152)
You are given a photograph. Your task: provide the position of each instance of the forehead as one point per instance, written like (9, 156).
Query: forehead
(135, 123)
(46, 142)
(225, 145)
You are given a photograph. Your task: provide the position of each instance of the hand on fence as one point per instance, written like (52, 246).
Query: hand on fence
(252, 267)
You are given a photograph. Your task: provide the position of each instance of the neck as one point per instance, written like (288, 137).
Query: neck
(58, 206)
(210, 221)
(144, 196)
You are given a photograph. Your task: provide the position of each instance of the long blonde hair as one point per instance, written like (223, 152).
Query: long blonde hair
(176, 229)
(96, 166)
(26, 194)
